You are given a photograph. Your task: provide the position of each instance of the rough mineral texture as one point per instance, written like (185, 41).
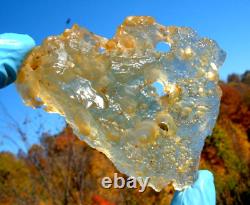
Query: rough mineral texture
(147, 111)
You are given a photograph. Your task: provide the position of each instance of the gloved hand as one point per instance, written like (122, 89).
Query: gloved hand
(202, 192)
(13, 48)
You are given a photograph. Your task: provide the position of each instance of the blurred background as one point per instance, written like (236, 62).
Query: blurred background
(42, 162)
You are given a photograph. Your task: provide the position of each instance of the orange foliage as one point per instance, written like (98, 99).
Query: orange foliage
(98, 200)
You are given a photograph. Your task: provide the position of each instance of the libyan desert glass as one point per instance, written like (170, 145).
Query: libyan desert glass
(148, 111)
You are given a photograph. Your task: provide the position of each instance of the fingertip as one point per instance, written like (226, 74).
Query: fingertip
(28, 41)
(23, 41)
(205, 174)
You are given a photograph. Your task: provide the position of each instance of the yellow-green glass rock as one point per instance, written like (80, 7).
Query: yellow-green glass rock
(147, 111)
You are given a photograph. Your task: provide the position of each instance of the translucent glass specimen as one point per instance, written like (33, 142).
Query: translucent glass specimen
(147, 111)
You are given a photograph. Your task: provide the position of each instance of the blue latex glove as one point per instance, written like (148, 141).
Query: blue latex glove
(202, 192)
(13, 48)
